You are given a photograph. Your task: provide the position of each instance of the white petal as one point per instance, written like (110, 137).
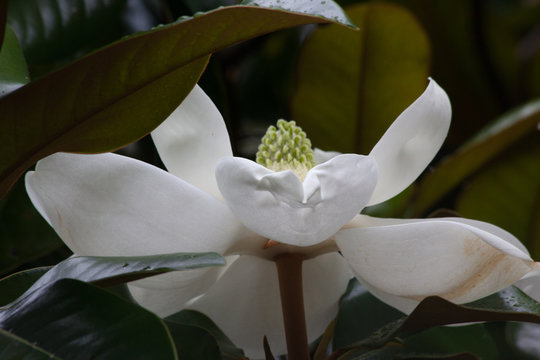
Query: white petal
(530, 284)
(245, 303)
(411, 142)
(112, 205)
(192, 139)
(447, 258)
(321, 156)
(282, 208)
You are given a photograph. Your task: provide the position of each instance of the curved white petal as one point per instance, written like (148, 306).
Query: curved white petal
(321, 156)
(530, 284)
(245, 302)
(411, 142)
(280, 207)
(192, 139)
(447, 258)
(112, 205)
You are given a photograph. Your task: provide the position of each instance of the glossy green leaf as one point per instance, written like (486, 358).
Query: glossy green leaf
(13, 347)
(120, 93)
(443, 341)
(327, 9)
(25, 235)
(487, 146)
(114, 270)
(76, 320)
(507, 193)
(353, 84)
(13, 71)
(14, 285)
(510, 304)
(55, 31)
(197, 337)
(360, 314)
(525, 339)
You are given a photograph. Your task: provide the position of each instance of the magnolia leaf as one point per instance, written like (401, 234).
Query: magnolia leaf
(14, 285)
(25, 235)
(107, 271)
(54, 30)
(13, 347)
(525, 338)
(360, 314)
(120, 93)
(327, 9)
(353, 84)
(485, 147)
(76, 320)
(443, 341)
(197, 337)
(515, 179)
(13, 71)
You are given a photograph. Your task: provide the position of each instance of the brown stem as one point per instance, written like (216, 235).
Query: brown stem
(289, 267)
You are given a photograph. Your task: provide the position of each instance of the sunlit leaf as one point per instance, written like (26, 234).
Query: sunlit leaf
(485, 147)
(353, 84)
(13, 71)
(13, 347)
(76, 320)
(120, 93)
(197, 337)
(507, 193)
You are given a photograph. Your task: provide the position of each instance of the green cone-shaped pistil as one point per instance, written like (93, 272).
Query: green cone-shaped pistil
(286, 148)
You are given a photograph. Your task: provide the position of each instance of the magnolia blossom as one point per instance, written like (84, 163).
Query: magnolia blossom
(211, 201)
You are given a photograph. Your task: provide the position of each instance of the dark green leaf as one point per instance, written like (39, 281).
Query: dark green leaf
(197, 337)
(525, 339)
(14, 285)
(443, 341)
(13, 71)
(76, 320)
(114, 270)
(3, 19)
(25, 235)
(13, 347)
(509, 304)
(267, 351)
(120, 93)
(360, 314)
(515, 178)
(353, 84)
(53, 30)
(490, 143)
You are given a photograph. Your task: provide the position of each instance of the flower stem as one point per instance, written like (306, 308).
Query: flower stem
(289, 267)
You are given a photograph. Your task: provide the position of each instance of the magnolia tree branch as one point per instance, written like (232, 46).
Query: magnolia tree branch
(289, 267)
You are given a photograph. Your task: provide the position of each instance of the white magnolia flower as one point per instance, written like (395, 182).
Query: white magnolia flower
(211, 201)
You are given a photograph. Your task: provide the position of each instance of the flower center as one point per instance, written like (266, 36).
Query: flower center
(286, 148)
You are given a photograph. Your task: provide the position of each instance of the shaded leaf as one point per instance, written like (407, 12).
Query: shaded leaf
(525, 339)
(485, 147)
(360, 314)
(441, 342)
(13, 71)
(76, 320)
(197, 337)
(510, 304)
(352, 85)
(114, 270)
(25, 235)
(120, 93)
(13, 347)
(14, 285)
(515, 179)
(267, 351)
